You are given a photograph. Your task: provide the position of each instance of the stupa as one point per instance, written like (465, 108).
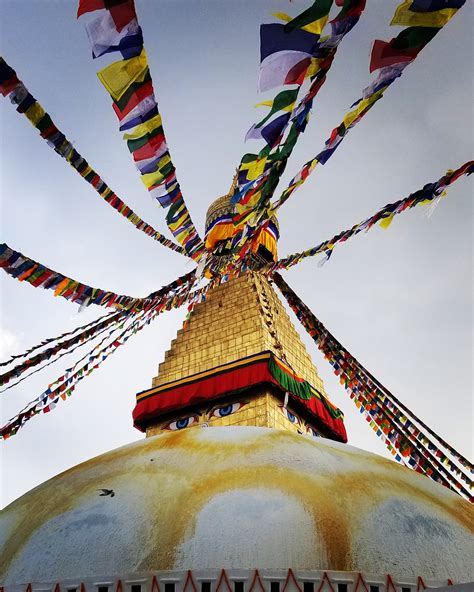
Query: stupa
(267, 497)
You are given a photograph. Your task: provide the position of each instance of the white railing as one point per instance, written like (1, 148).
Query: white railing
(235, 580)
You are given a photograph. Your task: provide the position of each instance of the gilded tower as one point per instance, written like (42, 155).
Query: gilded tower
(239, 355)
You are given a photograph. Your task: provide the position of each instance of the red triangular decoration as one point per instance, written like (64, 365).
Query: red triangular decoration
(256, 578)
(291, 576)
(326, 579)
(223, 578)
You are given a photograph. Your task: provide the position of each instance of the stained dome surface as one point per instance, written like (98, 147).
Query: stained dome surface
(236, 497)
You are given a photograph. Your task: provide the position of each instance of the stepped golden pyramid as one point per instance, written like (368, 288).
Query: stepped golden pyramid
(267, 497)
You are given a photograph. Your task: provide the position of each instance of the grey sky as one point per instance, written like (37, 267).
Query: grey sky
(400, 300)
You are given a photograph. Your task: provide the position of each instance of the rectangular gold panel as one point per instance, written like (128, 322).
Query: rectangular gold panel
(238, 319)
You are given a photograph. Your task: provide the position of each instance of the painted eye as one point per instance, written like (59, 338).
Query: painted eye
(290, 416)
(181, 423)
(313, 432)
(226, 410)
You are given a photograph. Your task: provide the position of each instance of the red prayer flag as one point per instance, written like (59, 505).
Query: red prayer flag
(149, 149)
(122, 13)
(8, 85)
(384, 54)
(141, 93)
(297, 73)
(89, 6)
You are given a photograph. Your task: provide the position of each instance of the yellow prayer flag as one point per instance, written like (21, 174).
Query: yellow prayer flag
(407, 18)
(288, 108)
(314, 67)
(119, 76)
(150, 179)
(175, 225)
(86, 171)
(361, 107)
(282, 16)
(182, 235)
(254, 169)
(143, 128)
(250, 204)
(264, 104)
(385, 222)
(35, 113)
(314, 27)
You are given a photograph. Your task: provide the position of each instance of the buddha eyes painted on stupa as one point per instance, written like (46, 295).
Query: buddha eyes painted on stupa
(290, 416)
(218, 412)
(181, 423)
(226, 410)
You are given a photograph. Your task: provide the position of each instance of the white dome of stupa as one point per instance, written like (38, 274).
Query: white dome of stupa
(237, 497)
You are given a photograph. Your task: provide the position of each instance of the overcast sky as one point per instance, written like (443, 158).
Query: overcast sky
(400, 300)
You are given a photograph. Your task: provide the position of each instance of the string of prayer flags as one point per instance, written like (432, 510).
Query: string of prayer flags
(428, 194)
(398, 428)
(286, 52)
(66, 344)
(23, 268)
(19, 95)
(52, 339)
(54, 360)
(423, 19)
(392, 400)
(373, 399)
(128, 81)
(389, 59)
(63, 387)
(253, 200)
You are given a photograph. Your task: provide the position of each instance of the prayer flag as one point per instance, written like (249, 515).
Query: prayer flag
(403, 48)
(284, 101)
(155, 145)
(122, 11)
(271, 132)
(140, 88)
(426, 13)
(104, 37)
(312, 19)
(144, 128)
(140, 116)
(35, 113)
(119, 76)
(275, 37)
(282, 67)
